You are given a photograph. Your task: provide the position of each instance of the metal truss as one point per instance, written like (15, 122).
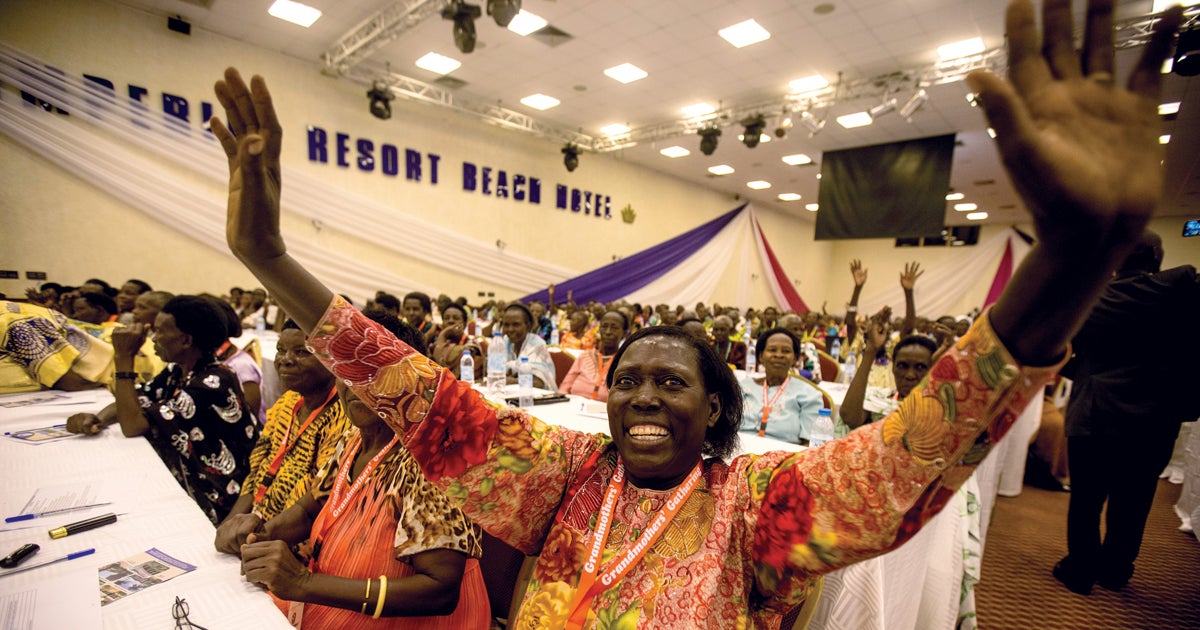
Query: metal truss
(376, 32)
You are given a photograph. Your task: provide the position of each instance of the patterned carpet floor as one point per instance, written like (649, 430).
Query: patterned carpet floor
(1028, 535)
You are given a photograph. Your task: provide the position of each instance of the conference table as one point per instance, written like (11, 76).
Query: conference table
(153, 512)
(916, 586)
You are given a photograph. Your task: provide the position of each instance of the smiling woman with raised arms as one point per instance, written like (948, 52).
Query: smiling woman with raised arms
(651, 528)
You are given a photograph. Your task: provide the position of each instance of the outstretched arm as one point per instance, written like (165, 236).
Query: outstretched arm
(860, 278)
(1084, 154)
(252, 142)
(908, 280)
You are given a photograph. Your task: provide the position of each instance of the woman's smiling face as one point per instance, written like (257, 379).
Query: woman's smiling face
(659, 411)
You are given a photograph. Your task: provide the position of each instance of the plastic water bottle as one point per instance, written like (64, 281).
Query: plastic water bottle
(525, 383)
(553, 333)
(850, 368)
(836, 349)
(822, 430)
(261, 325)
(497, 357)
(751, 357)
(466, 368)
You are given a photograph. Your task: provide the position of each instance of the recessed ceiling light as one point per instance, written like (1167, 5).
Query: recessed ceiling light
(698, 109)
(743, 34)
(1165, 138)
(811, 207)
(525, 23)
(626, 73)
(1168, 65)
(1162, 5)
(991, 133)
(808, 84)
(977, 216)
(796, 159)
(295, 12)
(440, 64)
(761, 138)
(965, 207)
(540, 101)
(720, 169)
(857, 119)
(789, 197)
(1166, 109)
(675, 152)
(614, 129)
(758, 184)
(972, 46)
(954, 196)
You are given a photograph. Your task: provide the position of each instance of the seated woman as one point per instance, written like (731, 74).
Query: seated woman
(775, 404)
(301, 434)
(192, 413)
(693, 540)
(452, 339)
(729, 349)
(384, 541)
(586, 376)
(911, 359)
(579, 336)
(516, 323)
(40, 347)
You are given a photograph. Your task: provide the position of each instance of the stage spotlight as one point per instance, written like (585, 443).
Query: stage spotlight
(503, 11)
(381, 100)
(913, 104)
(811, 123)
(1187, 53)
(463, 14)
(708, 139)
(887, 106)
(571, 156)
(754, 127)
(784, 127)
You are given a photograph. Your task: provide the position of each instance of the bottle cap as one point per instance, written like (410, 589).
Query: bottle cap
(825, 412)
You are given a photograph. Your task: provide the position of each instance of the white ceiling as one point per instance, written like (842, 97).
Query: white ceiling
(676, 42)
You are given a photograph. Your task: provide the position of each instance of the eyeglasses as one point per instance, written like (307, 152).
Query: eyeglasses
(180, 611)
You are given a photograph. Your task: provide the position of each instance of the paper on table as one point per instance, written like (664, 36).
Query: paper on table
(65, 601)
(137, 573)
(594, 409)
(43, 435)
(65, 496)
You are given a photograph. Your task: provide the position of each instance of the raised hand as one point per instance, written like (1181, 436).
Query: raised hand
(251, 142)
(908, 278)
(128, 341)
(1082, 151)
(859, 272)
(877, 330)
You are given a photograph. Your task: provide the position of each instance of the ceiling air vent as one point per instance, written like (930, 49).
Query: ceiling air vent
(551, 36)
(449, 82)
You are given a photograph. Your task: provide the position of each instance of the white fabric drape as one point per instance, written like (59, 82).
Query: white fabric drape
(943, 286)
(189, 176)
(695, 279)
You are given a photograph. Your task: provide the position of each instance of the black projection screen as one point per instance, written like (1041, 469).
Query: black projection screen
(890, 190)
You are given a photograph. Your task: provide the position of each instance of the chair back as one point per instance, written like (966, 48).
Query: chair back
(826, 399)
(830, 368)
(254, 349)
(562, 364)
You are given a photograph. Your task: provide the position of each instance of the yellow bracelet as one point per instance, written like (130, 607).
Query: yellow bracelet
(366, 598)
(382, 594)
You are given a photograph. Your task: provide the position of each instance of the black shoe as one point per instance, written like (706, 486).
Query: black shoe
(1074, 583)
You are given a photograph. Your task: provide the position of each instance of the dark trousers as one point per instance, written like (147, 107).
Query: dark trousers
(1124, 472)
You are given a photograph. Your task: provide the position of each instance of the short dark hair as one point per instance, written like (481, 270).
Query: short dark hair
(233, 323)
(524, 311)
(291, 324)
(454, 307)
(98, 282)
(53, 286)
(422, 298)
(688, 320)
(142, 286)
(201, 319)
(721, 439)
(915, 340)
(387, 300)
(400, 329)
(761, 345)
(101, 301)
(624, 319)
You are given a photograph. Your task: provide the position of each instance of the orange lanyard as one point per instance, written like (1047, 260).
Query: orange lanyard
(601, 371)
(285, 446)
(591, 584)
(339, 496)
(767, 404)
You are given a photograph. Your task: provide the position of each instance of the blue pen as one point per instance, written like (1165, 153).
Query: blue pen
(27, 517)
(70, 556)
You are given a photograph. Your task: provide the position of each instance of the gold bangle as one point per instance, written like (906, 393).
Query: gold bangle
(367, 595)
(382, 594)
(363, 610)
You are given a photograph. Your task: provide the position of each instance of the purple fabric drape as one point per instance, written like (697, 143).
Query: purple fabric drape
(613, 282)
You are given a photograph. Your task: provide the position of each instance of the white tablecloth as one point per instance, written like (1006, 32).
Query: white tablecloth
(153, 512)
(1188, 506)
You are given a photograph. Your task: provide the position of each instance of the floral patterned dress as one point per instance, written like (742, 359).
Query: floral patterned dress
(202, 431)
(746, 545)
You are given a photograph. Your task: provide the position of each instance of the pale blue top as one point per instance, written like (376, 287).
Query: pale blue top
(793, 414)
